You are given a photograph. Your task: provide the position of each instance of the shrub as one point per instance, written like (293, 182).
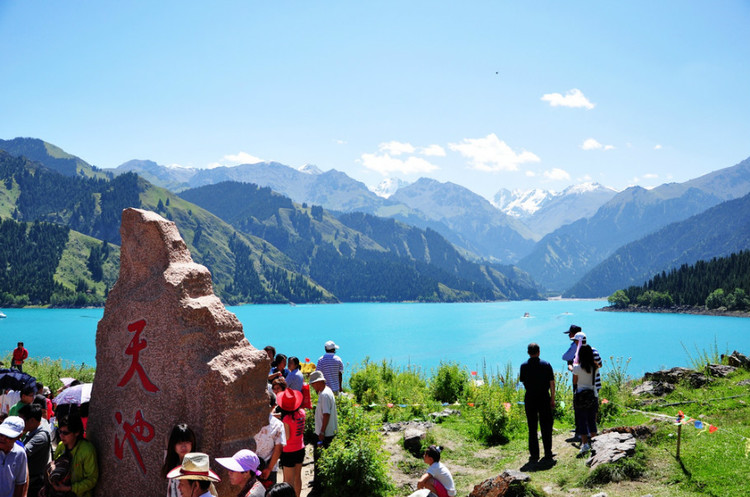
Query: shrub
(355, 463)
(619, 300)
(366, 382)
(715, 299)
(494, 427)
(449, 383)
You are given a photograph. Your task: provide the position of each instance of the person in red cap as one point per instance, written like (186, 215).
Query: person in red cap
(293, 454)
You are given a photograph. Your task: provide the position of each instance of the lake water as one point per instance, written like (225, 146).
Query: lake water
(423, 334)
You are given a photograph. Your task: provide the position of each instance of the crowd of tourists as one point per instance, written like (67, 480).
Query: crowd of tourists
(584, 361)
(44, 452)
(41, 460)
(279, 443)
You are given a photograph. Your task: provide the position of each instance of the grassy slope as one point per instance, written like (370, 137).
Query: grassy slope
(73, 267)
(212, 249)
(711, 464)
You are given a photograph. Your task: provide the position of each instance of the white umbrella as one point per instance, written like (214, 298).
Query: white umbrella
(77, 394)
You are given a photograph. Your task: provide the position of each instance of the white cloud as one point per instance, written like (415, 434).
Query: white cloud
(241, 158)
(574, 99)
(387, 165)
(530, 174)
(650, 176)
(657, 147)
(396, 148)
(234, 160)
(433, 151)
(491, 154)
(592, 144)
(340, 142)
(557, 174)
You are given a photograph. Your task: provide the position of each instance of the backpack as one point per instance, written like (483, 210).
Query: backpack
(58, 471)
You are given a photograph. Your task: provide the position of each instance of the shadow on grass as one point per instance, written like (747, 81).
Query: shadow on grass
(541, 465)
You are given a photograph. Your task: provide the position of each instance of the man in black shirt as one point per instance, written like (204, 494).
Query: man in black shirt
(539, 380)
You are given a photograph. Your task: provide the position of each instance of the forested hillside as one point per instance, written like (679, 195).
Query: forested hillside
(31, 192)
(720, 282)
(717, 232)
(29, 255)
(359, 257)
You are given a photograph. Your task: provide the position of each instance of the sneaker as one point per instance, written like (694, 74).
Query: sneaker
(585, 448)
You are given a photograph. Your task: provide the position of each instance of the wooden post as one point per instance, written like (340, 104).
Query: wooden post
(679, 437)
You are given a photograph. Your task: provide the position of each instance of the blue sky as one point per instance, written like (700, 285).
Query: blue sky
(488, 95)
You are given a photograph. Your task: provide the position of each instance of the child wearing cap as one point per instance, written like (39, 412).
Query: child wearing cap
(243, 473)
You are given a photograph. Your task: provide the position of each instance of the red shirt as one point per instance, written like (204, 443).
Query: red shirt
(295, 440)
(19, 355)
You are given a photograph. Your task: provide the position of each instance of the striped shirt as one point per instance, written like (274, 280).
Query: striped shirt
(570, 354)
(331, 365)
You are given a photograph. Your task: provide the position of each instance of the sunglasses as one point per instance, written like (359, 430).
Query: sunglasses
(65, 433)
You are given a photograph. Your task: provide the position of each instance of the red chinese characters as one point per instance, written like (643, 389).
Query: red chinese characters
(134, 349)
(140, 430)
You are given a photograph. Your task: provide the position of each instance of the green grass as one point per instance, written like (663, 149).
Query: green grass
(711, 464)
(49, 372)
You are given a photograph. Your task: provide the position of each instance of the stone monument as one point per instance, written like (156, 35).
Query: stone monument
(168, 352)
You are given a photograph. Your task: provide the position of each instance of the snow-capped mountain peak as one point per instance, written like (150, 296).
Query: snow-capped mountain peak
(582, 188)
(520, 203)
(388, 187)
(310, 169)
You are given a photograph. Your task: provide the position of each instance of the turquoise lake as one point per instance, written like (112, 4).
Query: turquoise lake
(423, 334)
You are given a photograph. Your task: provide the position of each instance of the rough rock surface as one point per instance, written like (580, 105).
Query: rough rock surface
(403, 425)
(675, 375)
(655, 388)
(737, 360)
(413, 437)
(721, 371)
(168, 352)
(499, 486)
(610, 447)
(440, 416)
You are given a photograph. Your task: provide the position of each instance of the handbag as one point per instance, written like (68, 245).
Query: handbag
(59, 472)
(585, 399)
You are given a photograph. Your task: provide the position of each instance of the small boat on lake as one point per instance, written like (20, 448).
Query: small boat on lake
(2, 315)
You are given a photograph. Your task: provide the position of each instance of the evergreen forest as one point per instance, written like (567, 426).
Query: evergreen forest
(722, 282)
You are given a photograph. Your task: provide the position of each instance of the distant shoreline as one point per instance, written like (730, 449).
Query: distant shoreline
(699, 311)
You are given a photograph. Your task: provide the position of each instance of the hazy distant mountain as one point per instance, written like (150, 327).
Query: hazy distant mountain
(491, 235)
(388, 187)
(483, 229)
(544, 211)
(51, 157)
(719, 231)
(564, 256)
(173, 178)
(573, 203)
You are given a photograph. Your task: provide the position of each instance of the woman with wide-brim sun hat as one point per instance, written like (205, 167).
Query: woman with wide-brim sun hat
(243, 473)
(194, 475)
(289, 403)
